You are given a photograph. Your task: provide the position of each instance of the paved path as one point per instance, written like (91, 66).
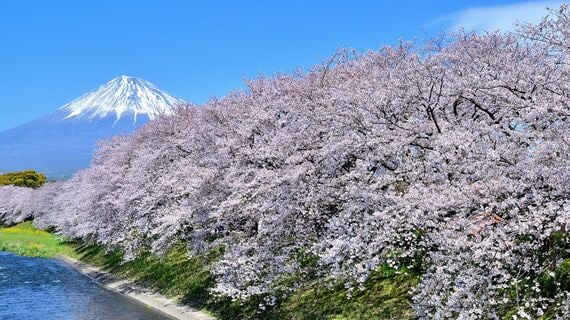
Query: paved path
(135, 292)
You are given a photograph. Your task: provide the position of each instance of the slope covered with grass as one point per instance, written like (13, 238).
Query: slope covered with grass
(386, 294)
(24, 239)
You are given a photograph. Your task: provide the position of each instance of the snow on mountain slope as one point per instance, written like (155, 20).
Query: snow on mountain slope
(122, 96)
(63, 141)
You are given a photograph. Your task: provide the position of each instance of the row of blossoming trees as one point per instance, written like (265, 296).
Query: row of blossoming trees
(455, 154)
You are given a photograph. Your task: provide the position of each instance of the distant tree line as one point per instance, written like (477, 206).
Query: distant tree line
(28, 178)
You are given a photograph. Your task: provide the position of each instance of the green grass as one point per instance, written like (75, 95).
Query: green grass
(386, 295)
(23, 239)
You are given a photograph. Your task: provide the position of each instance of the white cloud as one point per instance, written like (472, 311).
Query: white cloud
(502, 17)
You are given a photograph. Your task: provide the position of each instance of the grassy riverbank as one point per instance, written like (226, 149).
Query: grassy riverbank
(24, 239)
(386, 294)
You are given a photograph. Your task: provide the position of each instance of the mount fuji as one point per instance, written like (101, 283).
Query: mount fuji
(63, 141)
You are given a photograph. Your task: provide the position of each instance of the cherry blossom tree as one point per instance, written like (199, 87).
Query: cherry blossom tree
(450, 159)
(16, 204)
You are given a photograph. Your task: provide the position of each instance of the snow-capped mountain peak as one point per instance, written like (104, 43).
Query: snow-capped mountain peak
(120, 97)
(62, 142)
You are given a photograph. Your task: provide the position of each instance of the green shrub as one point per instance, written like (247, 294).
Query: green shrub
(28, 178)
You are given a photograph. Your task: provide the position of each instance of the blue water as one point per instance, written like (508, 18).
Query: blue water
(45, 289)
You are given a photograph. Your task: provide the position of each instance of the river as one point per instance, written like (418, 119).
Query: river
(46, 289)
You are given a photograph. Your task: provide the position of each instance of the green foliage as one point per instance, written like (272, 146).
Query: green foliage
(563, 275)
(28, 178)
(25, 240)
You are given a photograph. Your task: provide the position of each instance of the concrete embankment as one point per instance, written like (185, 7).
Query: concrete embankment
(150, 299)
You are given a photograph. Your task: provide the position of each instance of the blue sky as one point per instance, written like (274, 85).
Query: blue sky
(53, 51)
